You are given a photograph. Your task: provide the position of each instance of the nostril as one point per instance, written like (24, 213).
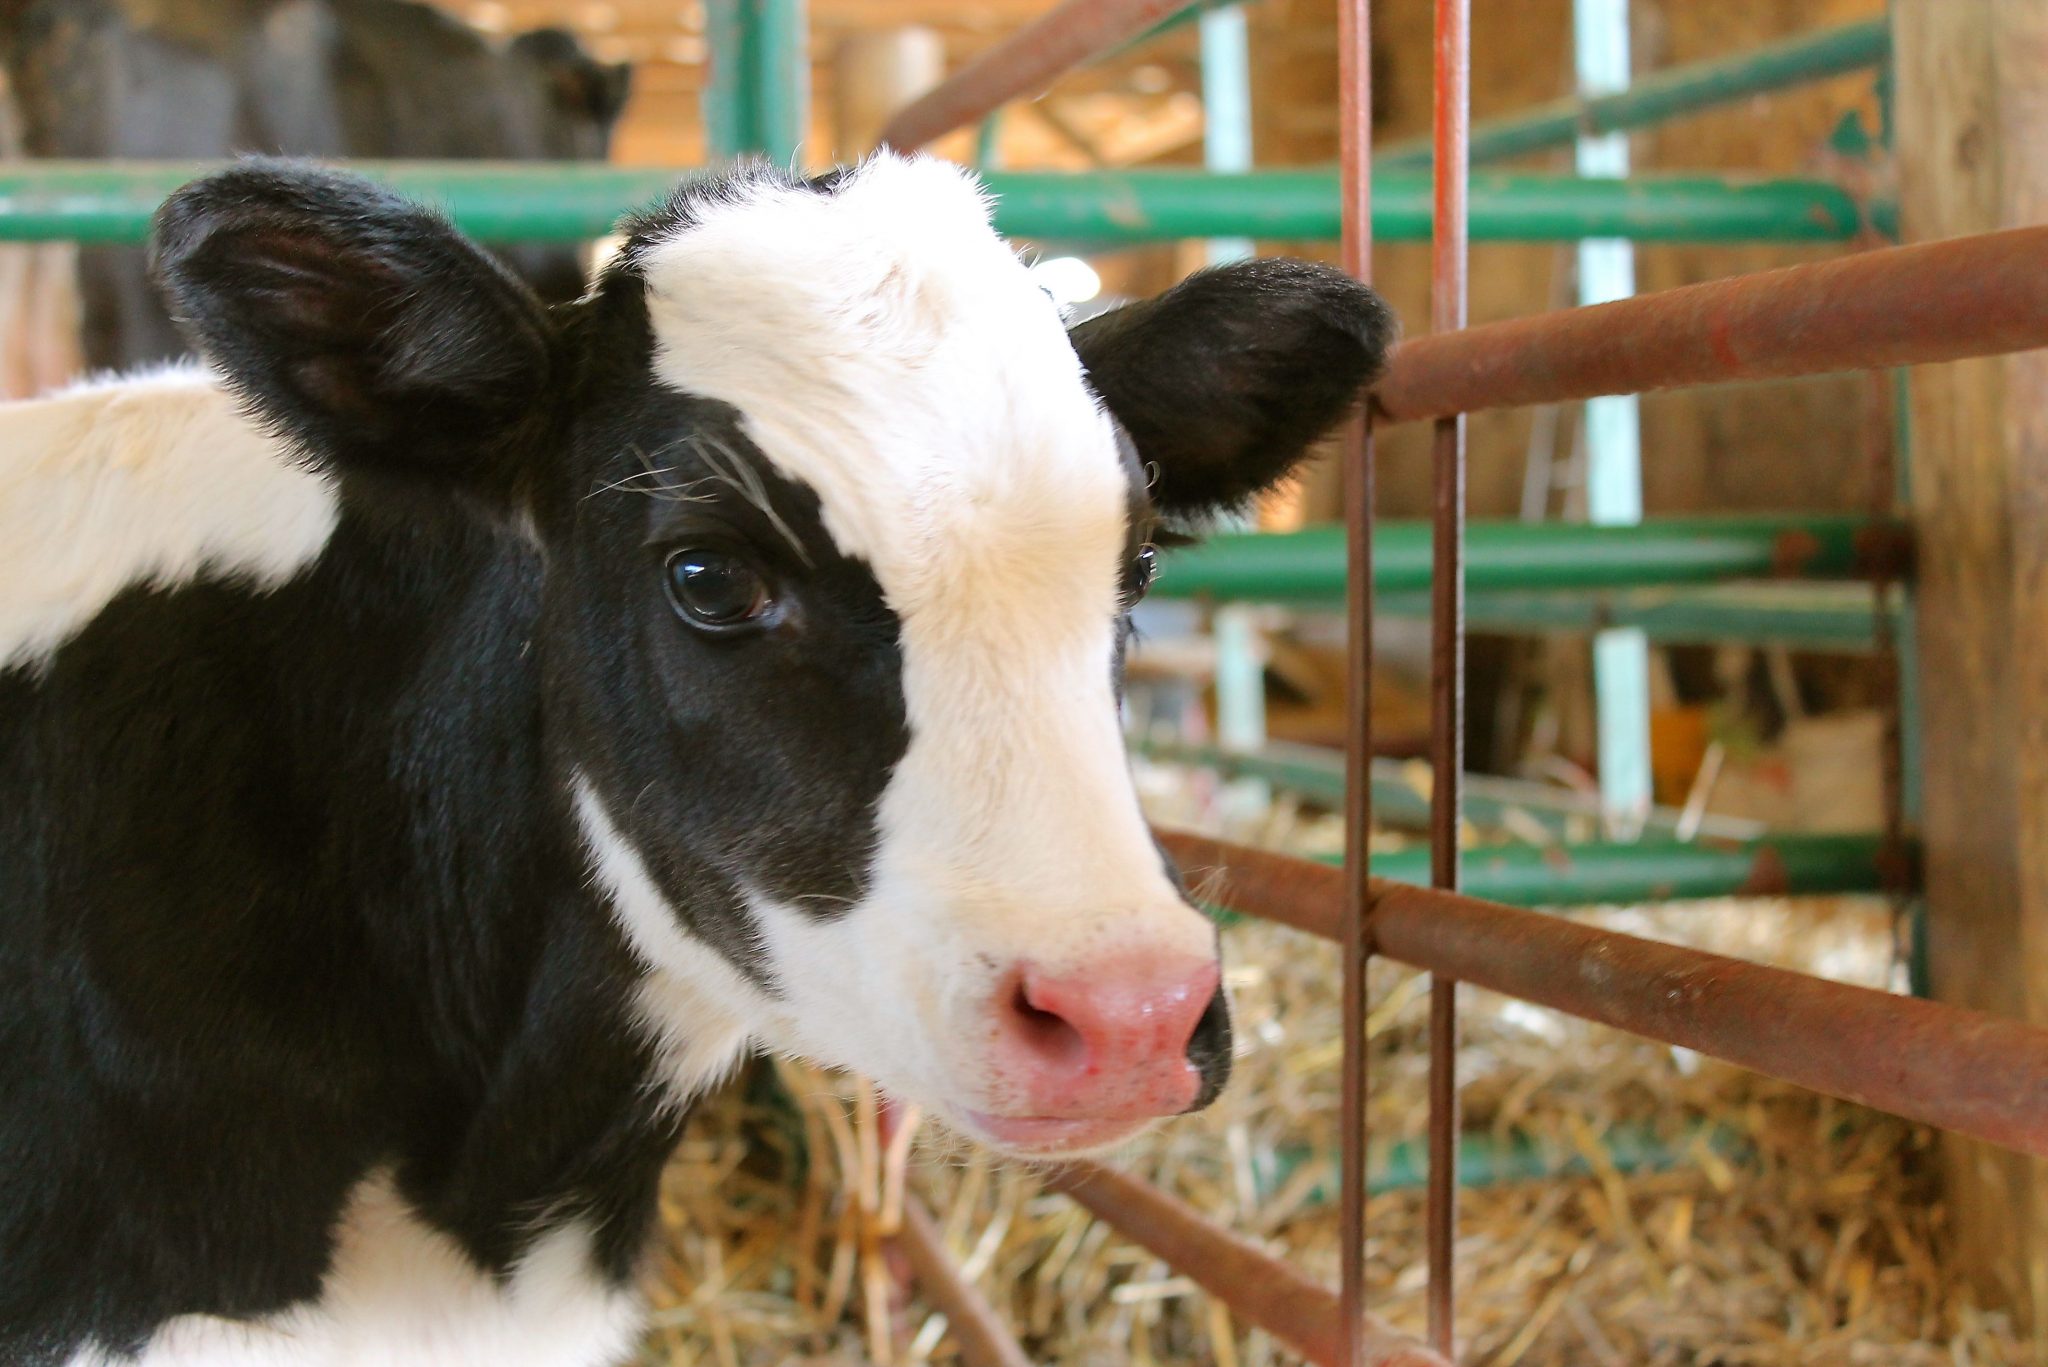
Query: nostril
(1209, 1049)
(1049, 1035)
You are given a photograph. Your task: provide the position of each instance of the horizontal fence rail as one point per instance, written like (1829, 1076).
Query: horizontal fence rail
(1514, 555)
(111, 202)
(1658, 868)
(1487, 1159)
(1627, 872)
(1664, 95)
(1938, 301)
(1259, 1288)
(1836, 618)
(1958, 1070)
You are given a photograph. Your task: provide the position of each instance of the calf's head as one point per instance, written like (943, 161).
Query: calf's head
(841, 528)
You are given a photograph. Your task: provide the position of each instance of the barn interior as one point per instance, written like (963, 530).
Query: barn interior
(1708, 733)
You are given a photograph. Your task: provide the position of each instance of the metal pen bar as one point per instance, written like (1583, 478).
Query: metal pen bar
(1937, 301)
(1448, 249)
(1670, 94)
(1024, 64)
(1829, 618)
(984, 1340)
(756, 96)
(1964, 1071)
(1311, 565)
(111, 202)
(1354, 135)
(1259, 1288)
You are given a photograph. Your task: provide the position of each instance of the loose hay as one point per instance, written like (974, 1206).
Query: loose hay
(1789, 1229)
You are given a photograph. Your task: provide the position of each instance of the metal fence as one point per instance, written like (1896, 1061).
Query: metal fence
(1962, 1071)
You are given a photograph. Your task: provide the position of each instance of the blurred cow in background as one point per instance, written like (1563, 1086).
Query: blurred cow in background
(205, 79)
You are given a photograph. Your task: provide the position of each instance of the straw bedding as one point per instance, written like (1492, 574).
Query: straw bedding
(1775, 1227)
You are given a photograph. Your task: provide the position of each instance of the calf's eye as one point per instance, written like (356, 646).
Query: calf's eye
(717, 590)
(1144, 569)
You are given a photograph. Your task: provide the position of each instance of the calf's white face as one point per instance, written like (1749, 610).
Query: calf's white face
(841, 527)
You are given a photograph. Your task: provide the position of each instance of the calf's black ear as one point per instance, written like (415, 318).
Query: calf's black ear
(1227, 379)
(362, 325)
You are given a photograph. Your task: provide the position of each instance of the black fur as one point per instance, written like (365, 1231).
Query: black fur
(293, 890)
(1225, 380)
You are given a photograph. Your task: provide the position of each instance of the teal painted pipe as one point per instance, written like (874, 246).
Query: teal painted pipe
(1519, 556)
(757, 98)
(532, 201)
(1668, 94)
(1485, 1160)
(1659, 869)
(1141, 206)
(1831, 618)
(1655, 870)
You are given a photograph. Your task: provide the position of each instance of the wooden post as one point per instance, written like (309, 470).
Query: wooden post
(1973, 155)
(876, 74)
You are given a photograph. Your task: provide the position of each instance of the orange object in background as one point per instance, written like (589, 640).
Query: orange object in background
(1678, 745)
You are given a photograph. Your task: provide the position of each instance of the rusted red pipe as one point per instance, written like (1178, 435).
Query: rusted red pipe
(983, 1340)
(1024, 65)
(1937, 301)
(1449, 246)
(1354, 138)
(1964, 1071)
(1262, 1290)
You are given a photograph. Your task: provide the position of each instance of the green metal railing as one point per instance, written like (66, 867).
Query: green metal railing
(1830, 618)
(1665, 95)
(1657, 870)
(568, 201)
(1486, 1160)
(757, 98)
(1625, 873)
(1316, 774)
(1520, 556)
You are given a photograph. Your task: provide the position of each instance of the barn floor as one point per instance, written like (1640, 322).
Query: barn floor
(1727, 1219)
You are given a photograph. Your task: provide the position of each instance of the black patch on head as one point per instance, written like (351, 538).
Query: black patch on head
(1227, 379)
(751, 760)
(361, 325)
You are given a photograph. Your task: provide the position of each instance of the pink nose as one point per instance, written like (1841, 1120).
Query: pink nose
(1108, 1041)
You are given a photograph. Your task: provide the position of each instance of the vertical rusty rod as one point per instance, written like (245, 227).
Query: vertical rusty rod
(1452, 133)
(976, 1327)
(1354, 117)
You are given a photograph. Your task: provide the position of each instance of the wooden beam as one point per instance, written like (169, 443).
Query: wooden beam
(1973, 154)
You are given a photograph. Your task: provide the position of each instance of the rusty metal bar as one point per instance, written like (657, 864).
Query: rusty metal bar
(1937, 301)
(1263, 1290)
(1963, 1071)
(1452, 133)
(1354, 145)
(1024, 64)
(984, 1340)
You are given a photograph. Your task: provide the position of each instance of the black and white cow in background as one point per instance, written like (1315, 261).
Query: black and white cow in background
(207, 79)
(418, 790)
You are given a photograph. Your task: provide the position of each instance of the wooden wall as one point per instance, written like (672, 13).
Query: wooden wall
(1796, 445)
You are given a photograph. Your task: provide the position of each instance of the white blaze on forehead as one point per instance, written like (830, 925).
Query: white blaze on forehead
(885, 348)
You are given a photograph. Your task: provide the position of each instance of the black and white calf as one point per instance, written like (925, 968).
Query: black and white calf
(419, 788)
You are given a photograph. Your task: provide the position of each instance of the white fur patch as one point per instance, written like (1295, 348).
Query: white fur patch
(400, 1294)
(147, 479)
(887, 349)
(692, 1002)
